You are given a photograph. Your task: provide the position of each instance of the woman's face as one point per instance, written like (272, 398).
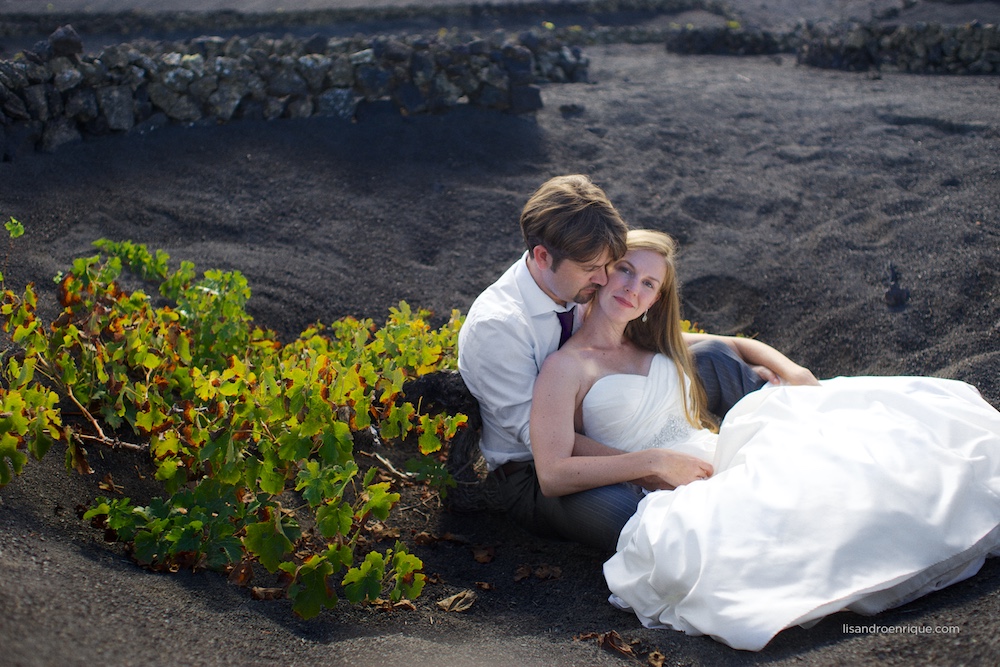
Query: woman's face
(634, 283)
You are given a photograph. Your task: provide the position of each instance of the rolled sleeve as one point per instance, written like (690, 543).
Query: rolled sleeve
(499, 368)
(509, 331)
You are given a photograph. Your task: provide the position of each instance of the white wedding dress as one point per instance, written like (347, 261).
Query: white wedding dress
(861, 494)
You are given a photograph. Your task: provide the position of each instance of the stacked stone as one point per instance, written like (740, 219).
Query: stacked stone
(921, 49)
(854, 48)
(932, 48)
(55, 95)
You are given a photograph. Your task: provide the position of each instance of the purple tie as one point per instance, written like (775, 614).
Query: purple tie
(566, 322)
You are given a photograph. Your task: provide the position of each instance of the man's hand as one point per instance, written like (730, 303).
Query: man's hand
(772, 366)
(793, 374)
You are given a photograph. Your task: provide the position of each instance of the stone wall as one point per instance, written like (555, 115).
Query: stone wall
(55, 95)
(920, 48)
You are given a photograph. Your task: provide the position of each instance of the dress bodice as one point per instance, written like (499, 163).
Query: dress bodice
(633, 412)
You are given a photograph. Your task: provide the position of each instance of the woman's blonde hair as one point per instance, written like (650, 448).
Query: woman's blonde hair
(661, 331)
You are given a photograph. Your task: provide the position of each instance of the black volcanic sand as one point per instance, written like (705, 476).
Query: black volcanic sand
(791, 190)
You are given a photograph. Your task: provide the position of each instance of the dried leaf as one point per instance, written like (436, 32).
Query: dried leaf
(485, 586)
(383, 532)
(423, 538)
(656, 659)
(108, 484)
(241, 574)
(381, 604)
(548, 572)
(76, 457)
(612, 641)
(261, 593)
(609, 641)
(522, 572)
(406, 605)
(460, 601)
(484, 554)
(456, 538)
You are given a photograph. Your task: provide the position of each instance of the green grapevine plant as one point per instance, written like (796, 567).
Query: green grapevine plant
(253, 440)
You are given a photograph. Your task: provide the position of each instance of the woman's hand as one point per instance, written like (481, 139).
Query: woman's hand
(670, 469)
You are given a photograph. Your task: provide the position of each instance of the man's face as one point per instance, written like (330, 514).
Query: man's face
(578, 281)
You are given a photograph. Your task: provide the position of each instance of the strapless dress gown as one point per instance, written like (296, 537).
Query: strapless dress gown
(861, 494)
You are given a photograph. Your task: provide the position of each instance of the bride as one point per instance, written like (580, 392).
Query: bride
(852, 493)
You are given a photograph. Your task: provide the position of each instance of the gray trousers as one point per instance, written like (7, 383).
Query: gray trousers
(595, 517)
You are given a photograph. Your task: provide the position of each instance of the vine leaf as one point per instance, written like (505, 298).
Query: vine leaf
(319, 483)
(272, 478)
(380, 501)
(266, 540)
(334, 519)
(429, 442)
(311, 591)
(14, 228)
(398, 424)
(337, 443)
(10, 452)
(409, 580)
(365, 581)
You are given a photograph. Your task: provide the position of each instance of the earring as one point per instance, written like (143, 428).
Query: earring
(644, 316)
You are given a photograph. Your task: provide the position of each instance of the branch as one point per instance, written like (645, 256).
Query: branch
(113, 443)
(86, 413)
(100, 437)
(384, 461)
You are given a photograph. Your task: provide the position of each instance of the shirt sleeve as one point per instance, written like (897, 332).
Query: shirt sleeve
(497, 362)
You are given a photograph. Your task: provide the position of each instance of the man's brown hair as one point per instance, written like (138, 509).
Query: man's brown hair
(573, 219)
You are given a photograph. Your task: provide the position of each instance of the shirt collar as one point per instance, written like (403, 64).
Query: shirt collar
(536, 301)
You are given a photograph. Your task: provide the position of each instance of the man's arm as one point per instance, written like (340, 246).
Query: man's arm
(770, 364)
(497, 363)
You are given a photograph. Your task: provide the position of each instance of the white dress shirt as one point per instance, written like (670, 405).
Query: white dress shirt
(510, 329)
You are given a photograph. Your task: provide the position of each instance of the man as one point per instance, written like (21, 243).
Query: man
(572, 232)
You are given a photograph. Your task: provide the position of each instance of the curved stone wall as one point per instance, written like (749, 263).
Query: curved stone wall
(56, 95)
(920, 49)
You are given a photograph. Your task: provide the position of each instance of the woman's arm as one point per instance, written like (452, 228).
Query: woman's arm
(553, 438)
(770, 364)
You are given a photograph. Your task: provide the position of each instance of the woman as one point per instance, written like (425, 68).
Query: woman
(640, 299)
(855, 493)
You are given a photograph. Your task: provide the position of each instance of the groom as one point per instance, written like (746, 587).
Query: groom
(572, 232)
